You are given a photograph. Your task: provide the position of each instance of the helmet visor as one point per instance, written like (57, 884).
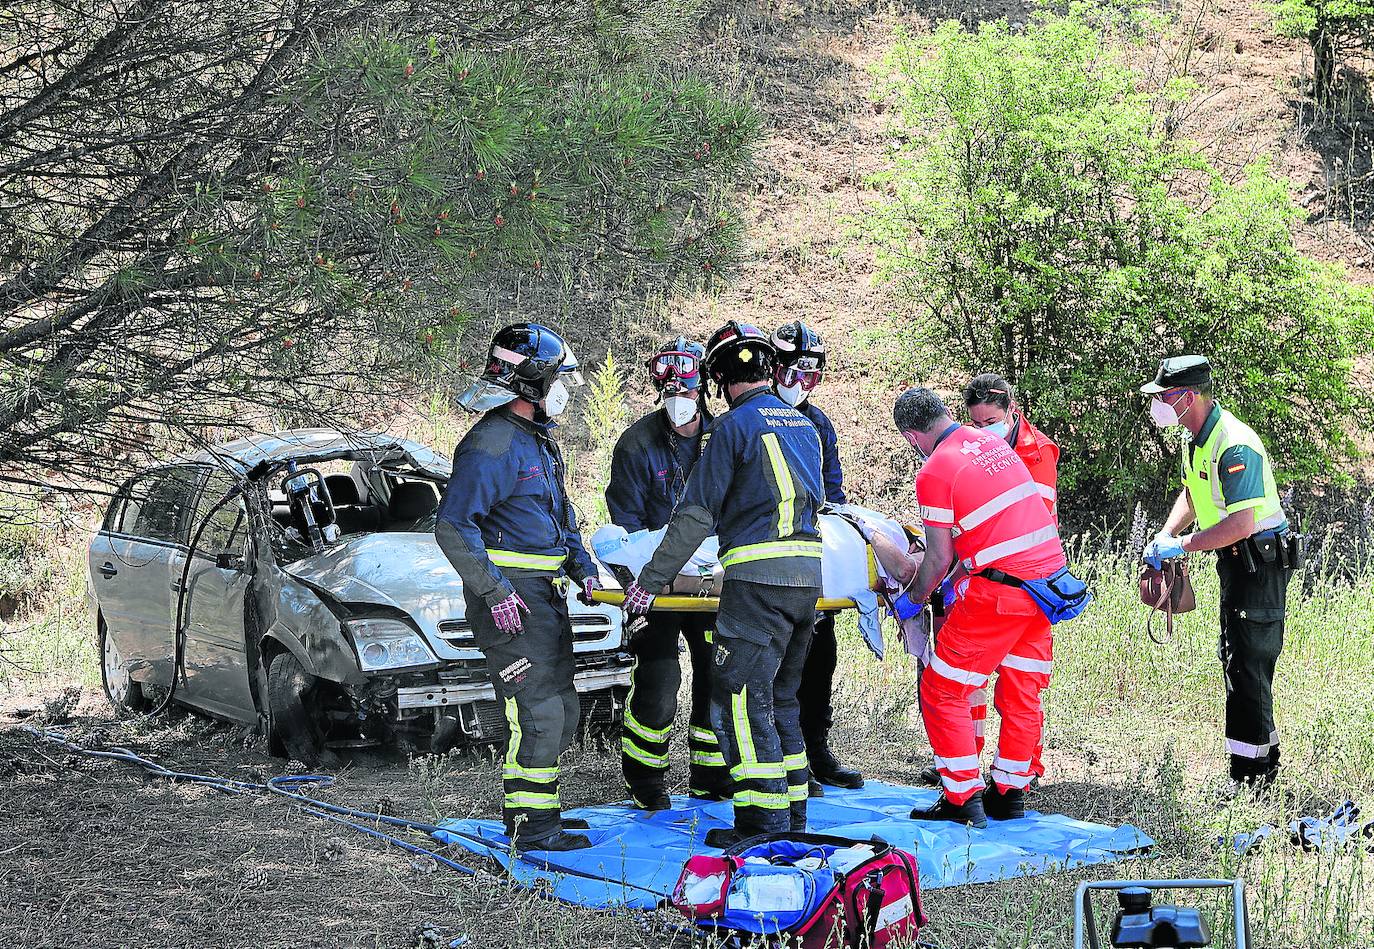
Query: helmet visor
(674, 365)
(789, 376)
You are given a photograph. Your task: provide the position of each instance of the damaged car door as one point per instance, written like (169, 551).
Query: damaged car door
(216, 656)
(132, 567)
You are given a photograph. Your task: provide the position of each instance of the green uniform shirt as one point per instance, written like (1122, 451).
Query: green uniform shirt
(1226, 470)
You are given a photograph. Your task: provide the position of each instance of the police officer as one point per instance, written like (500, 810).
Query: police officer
(801, 361)
(506, 525)
(1229, 491)
(649, 470)
(758, 482)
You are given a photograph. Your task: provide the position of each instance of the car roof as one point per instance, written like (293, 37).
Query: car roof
(320, 444)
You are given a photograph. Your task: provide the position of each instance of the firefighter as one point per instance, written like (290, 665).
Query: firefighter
(758, 483)
(507, 526)
(649, 470)
(801, 361)
(991, 404)
(973, 482)
(1230, 492)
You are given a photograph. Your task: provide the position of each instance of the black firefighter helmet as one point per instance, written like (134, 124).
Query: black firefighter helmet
(738, 352)
(523, 362)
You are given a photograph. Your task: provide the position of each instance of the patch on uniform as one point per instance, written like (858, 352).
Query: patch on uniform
(1235, 468)
(705, 437)
(516, 671)
(722, 654)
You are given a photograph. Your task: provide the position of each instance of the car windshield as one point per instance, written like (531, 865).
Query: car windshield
(325, 503)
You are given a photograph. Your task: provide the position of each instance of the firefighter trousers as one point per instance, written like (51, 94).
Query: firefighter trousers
(818, 686)
(763, 633)
(532, 673)
(651, 705)
(991, 628)
(1253, 608)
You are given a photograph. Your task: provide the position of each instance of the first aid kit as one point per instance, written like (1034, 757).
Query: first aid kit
(821, 892)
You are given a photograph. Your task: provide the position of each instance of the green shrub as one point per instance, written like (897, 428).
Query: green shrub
(1042, 226)
(1333, 29)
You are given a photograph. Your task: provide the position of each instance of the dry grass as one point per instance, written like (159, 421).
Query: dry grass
(96, 855)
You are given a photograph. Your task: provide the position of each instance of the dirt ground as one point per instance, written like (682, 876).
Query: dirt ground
(98, 855)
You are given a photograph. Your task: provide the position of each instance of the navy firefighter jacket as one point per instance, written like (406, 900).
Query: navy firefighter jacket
(830, 451)
(758, 481)
(505, 511)
(649, 470)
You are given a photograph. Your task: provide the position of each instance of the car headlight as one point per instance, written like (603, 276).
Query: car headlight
(388, 644)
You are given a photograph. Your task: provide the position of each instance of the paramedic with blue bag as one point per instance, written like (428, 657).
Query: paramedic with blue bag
(980, 504)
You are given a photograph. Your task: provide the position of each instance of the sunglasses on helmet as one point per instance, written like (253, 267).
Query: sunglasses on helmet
(665, 366)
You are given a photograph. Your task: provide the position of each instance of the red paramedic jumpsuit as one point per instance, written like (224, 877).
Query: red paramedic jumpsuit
(1041, 456)
(975, 484)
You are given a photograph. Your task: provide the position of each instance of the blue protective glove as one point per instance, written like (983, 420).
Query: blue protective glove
(948, 593)
(1162, 548)
(904, 607)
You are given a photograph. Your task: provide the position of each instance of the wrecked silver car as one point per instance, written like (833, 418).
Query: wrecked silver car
(293, 582)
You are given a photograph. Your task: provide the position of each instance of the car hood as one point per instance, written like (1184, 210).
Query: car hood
(403, 570)
(408, 571)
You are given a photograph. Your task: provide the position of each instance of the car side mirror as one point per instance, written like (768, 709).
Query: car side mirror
(229, 560)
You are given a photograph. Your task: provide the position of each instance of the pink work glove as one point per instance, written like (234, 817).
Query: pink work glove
(507, 614)
(637, 599)
(589, 586)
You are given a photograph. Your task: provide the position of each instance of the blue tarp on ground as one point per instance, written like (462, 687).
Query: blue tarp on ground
(635, 857)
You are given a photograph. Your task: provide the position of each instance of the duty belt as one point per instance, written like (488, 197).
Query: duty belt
(1281, 546)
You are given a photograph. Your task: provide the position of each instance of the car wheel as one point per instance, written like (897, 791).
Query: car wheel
(293, 721)
(124, 693)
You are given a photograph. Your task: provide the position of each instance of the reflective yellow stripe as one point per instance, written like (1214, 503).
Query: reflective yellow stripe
(512, 723)
(646, 758)
(642, 730)
(787, 491)
(539, 775)
(794, 762)
(711, 758)
(710, 636)
(514, 558)
(798, 792)
(758, 769)
(532, 800)
(744, 735)
(704, 735)
(771, 551)
(764, 799)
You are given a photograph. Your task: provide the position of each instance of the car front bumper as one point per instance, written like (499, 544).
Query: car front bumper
(440, 696)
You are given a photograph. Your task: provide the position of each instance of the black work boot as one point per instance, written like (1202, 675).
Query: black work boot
(574, 823)
(930, 777)
(557, 842)
(826, 768)
(650, 799)
(970, 812)
(1004, 805)
(722, 838)
(814, 789)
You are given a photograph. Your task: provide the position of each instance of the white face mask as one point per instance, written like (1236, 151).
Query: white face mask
(793, 395)
(1163, 414)
(680, 409)
(1000, 429)
(557, 400)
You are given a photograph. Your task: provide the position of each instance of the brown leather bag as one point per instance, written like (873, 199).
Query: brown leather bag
(1168, 591)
